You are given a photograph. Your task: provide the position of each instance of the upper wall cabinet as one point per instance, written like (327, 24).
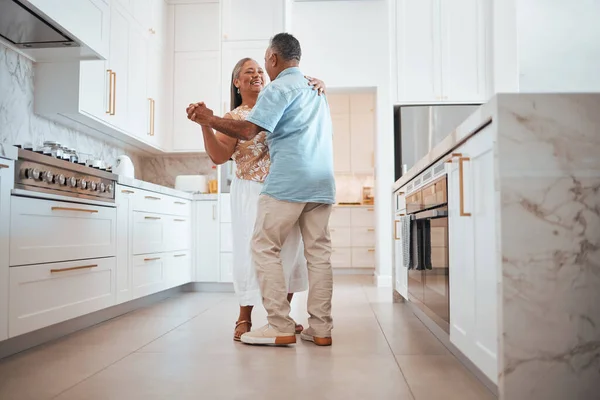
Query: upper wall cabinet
(252, 20)
(197, 27)
(440, 51)
(84, 21)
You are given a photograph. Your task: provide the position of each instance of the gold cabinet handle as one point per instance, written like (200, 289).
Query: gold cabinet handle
(3, 166)
(370, 209)
(179, 255)
(152, 198)
(152, 108)
(110, 91)
(152, 259)
(127, 191)
(461, 185)
(114, 93)
(371, 250)
(53, 271)
(179, 220)
(451, 159)
(371, 230)
(180, 203)
(396, 230)
(152, 218)
(74, 209)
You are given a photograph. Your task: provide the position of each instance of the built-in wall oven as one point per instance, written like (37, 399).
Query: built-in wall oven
(429, 273)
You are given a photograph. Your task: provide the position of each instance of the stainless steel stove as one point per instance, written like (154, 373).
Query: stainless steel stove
(41, 173)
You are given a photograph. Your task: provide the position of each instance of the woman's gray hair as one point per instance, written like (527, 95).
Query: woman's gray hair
(236, 98)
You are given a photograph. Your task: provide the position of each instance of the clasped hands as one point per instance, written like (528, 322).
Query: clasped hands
(199, 113)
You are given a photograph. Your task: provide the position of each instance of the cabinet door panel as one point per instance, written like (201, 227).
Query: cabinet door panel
(206, 240)
(6, 184)
(119, 64)
(342, 160)
(196, 79)
(148, 274)
(362, 148)
(226, 267)
(237, 25)
(138, 106)
(417, 24)
(462, 44)
(197, 27)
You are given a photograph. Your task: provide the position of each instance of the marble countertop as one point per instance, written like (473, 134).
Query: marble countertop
(8, 151)
(354, 205)
(481, 117)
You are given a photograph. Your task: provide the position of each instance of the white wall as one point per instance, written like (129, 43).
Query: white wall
(346, 44)
(559, 45)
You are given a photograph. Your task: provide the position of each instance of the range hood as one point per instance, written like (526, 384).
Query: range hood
(25, 29)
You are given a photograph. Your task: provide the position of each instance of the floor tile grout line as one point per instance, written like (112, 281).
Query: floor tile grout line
(389, 346)
(136, 350)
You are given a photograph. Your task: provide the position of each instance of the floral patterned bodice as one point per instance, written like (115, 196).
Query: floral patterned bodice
(251, 156)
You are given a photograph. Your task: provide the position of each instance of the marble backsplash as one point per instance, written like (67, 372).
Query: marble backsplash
(19, 124)
(164, 170)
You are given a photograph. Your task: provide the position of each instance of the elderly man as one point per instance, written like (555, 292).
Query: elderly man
(299, 188)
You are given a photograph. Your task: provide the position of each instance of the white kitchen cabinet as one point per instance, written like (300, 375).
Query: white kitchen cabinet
(363, 257)
(49, 231)
(363, 217)
(197, 27)
(342, 161)
(400, 271)
(137, 90)
(473, 252)
(352, 231)
(341, 257)
(225, 208)
(238, 27)
(149, 233)
(440, 50)
(119, 68)
(232, 53)
(341, 217)
(46, 294)
(178, 269)
(226, 237)
(124, 200)
(339, 103)
(341, 237)
(196, 79)
(179, 233)
(362, 146)
(6, 184)
(148, 274)
(226, 270)
(87, 21)
(206, 240)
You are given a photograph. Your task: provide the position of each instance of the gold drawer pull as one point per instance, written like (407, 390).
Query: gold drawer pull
(53, 271)
(3, 166)
(179, 220)
(180, 203)
(462, 186)
(127, 191)
(152, 259)
(152, 198)
(370, 209)
(154, 218)
(371, 230)
(74, 209)
(179, 255)
(371, 250)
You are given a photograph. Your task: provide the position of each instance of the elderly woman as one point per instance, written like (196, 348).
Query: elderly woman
(252, 167)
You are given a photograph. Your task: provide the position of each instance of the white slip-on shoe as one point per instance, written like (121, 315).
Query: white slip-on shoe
(318, 340)
(268, 335)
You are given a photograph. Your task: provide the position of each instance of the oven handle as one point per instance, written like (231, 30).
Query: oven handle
(430, 214)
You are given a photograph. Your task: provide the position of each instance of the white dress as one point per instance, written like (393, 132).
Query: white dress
(252, 166)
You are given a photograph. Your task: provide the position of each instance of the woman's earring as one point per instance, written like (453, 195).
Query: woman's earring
(238, 91)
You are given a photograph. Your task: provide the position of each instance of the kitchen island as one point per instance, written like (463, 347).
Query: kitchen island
(523, 176)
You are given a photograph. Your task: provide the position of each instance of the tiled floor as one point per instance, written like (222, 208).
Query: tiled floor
(181, 348)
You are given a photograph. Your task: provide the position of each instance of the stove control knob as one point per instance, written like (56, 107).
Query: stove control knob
(102, 187)
(82, 184)
(109, 188)
(33, 173)
(62, 180)
(72, 182)
(49, 177)
(93, 186)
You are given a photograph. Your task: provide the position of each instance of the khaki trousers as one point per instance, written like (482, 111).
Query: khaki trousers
(274, 222)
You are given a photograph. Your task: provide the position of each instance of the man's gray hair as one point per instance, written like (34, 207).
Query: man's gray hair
(286, 46)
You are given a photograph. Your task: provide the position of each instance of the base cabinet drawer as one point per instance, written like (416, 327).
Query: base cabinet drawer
(226, 236)
(341, 237)
(363, 217)
(363, 237)
(148, 274)
(341, 257)
(150, 202)
(178, 269)
(45, 294)
(340, 217)
(43, 231)
(149, 233)
(179, 233)
(363, 257)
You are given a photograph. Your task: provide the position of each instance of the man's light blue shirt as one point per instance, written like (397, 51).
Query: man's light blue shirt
(299, 136)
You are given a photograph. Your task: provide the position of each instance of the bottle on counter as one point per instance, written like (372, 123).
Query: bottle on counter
(213, 185)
